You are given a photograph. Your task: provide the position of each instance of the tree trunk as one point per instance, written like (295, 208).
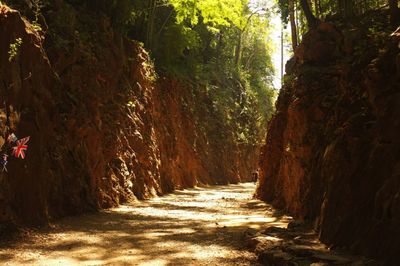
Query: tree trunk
(220, 46)
(207, 51)
(282, 51)
(346, 8)
(394, 13)
(312, 21)
(238, 53)
(293, 27)
(297, 22)
(150, 24)
(349, 11)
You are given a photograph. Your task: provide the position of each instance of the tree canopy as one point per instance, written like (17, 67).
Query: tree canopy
(309, 12)
(221, 46)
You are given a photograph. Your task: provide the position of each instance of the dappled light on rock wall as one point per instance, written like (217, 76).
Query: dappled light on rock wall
(332, 150)
(127, 112)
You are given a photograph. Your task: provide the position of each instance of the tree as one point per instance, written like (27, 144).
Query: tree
(394, 13)
(150, 23)
(293, 26)
(346, 8)
(312, 21)
(242, 30)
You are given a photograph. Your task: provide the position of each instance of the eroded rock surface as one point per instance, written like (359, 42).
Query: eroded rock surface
(333, 147)
(104, 129)
(299, 245)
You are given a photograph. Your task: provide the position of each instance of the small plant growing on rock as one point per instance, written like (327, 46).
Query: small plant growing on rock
(131, 104)
(14, 49)
(36, 7)
(36, 26)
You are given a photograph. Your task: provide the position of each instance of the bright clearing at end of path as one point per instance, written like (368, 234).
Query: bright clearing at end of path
(200, 226)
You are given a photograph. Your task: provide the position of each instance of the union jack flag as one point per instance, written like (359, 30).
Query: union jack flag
(19, 150)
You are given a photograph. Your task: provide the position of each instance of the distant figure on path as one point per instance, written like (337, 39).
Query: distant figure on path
(254, 176)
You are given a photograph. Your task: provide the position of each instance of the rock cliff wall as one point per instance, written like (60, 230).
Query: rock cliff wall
(104, 128)
(333, 148)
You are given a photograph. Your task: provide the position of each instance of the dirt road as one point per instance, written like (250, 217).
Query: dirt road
(200, 226)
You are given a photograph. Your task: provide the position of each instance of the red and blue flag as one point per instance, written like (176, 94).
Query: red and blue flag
(20, 149)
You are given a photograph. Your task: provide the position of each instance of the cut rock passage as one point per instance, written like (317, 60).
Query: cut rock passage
(200, 226)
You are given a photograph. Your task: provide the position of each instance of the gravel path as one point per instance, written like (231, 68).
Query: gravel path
(200, 226)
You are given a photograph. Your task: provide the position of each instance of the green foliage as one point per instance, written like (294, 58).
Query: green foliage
(219, 45)
(327, 9)
(284, 9)
(36, 26)
(31, 9)
(131, 104)
(14, 49)
(215, 13)
(198, 41)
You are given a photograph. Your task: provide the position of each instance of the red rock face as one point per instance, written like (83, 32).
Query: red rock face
(333, 148)
(27, 108)
(189, 154)
(103, 130)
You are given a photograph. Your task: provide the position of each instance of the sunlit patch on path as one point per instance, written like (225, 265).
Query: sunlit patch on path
(200, 226)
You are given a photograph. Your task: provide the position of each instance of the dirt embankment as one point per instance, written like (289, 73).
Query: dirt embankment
(333, 147)
(104, 128)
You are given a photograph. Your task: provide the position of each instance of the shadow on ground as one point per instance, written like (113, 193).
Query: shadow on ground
(200, 226)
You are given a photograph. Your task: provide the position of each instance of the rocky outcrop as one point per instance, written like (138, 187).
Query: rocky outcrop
(27, 108)
(298, 245)
(104, 129)
(332, 150)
